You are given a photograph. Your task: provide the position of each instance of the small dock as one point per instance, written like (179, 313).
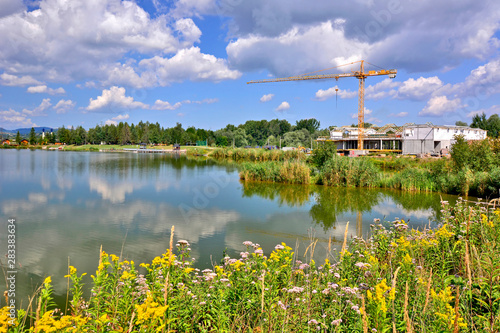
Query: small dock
(154, 151)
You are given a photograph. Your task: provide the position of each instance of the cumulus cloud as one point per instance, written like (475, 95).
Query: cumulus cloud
(64, 105)
(41, 89)
(114, 97)
(15, 119)
(439, 105)
(115, 120)
(283, 106)
(39, 110)
(67, 41)
(12, 80)
(163, 105)
(285, 37)
(188, 64)
(266, 98)
(302, 49)
(323, 95)
(420, 88)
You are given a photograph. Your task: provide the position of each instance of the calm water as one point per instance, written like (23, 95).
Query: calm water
(68, 204)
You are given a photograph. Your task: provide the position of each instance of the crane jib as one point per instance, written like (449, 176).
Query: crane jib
(361, 75)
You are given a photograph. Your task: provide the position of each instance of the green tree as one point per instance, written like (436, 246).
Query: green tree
(221, 141)
(310, 124)
(325, 151)
(18, 137)
(461, 153)
(461, 123)
(32, 136)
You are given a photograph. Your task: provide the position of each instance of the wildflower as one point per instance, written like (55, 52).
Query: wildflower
(362, 265)
(279, 247)
(336, 322)
(312, 321)
(282, 306)
(183, 242)
(203, 303)
(259, 251)
(337, 275)
(247, 243)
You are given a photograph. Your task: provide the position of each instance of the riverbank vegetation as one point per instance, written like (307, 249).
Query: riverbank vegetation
(397, 280)
(473, 169)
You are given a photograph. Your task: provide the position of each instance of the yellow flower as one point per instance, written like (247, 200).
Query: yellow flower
(443, 232)
(407, 259)
(380, 295)
(47, 280)
(404, 242)
(188, 270)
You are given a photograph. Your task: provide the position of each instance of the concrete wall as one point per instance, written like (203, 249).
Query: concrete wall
(417, 146)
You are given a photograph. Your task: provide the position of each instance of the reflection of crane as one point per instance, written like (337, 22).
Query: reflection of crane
(361, 75)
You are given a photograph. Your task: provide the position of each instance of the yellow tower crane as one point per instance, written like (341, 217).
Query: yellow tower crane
(361, 75)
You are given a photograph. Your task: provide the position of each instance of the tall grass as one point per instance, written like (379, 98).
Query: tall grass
(288, 172)
(257, 154)
(350, 172)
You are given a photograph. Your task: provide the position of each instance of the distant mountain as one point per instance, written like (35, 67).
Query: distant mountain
(26, 131)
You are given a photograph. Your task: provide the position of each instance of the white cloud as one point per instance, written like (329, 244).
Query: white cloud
(420, 88)
(115, 120)
(163, 105)
(64, 105)
(367, 112)
(283, 106)
(188, 64)
(488, 112)
(15, 119)
(12, 80)
(266, 98)
(65, 41)
(40, 89)
(439, 105)
(413, 36)
(323, 95)
(114, 97)
(399, 115)
(39, 110)
(299, 50)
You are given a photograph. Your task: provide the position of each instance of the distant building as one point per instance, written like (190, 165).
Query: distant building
(407, 139)
(24, 142)
(6, 142)
(423, 139)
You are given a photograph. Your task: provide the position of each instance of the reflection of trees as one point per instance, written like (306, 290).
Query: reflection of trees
(333, 201)
(128, 162)
(330, 202)
(290, 195)
(413, 201)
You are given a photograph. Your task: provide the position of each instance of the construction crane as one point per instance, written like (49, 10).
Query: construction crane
(361, 75)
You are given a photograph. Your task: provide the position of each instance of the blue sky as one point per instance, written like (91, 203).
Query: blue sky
(88, 62)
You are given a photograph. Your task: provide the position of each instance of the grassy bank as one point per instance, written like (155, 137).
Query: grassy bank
(426, 176)
(398, 280)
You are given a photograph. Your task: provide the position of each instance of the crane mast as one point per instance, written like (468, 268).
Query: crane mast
(361, 75)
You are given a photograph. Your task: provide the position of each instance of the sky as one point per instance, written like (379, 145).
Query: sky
(95, 62)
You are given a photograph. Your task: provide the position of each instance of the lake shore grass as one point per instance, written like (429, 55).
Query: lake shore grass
(397, 280)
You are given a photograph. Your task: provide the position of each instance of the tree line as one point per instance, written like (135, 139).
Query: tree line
(251, 133)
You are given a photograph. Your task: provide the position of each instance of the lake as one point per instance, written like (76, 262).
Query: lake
(68, 204)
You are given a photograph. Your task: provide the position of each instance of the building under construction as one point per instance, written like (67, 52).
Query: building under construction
(409, 139)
